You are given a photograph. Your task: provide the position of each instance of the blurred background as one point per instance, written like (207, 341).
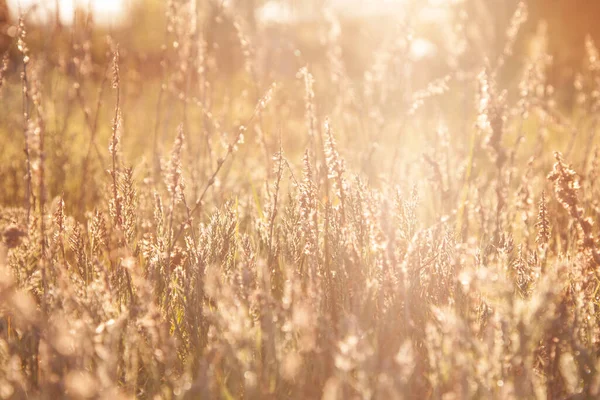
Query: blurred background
(140, 24)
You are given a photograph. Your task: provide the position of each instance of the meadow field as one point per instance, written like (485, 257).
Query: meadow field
(283, 200)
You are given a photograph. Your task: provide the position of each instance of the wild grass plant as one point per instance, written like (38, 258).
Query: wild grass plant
(252, 233)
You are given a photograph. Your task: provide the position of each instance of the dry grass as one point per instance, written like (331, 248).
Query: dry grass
(318, 235)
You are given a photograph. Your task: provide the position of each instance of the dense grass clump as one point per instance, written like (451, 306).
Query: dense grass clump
(244, 212)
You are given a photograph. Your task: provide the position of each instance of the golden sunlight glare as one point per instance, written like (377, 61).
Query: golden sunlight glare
(105, 11)
(276, 11)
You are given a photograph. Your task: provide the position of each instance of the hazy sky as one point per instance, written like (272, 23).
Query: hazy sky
(106, 11)
(109, 11)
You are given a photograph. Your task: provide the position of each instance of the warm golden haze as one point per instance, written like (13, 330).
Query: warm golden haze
(259, 199)
(105, 11)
